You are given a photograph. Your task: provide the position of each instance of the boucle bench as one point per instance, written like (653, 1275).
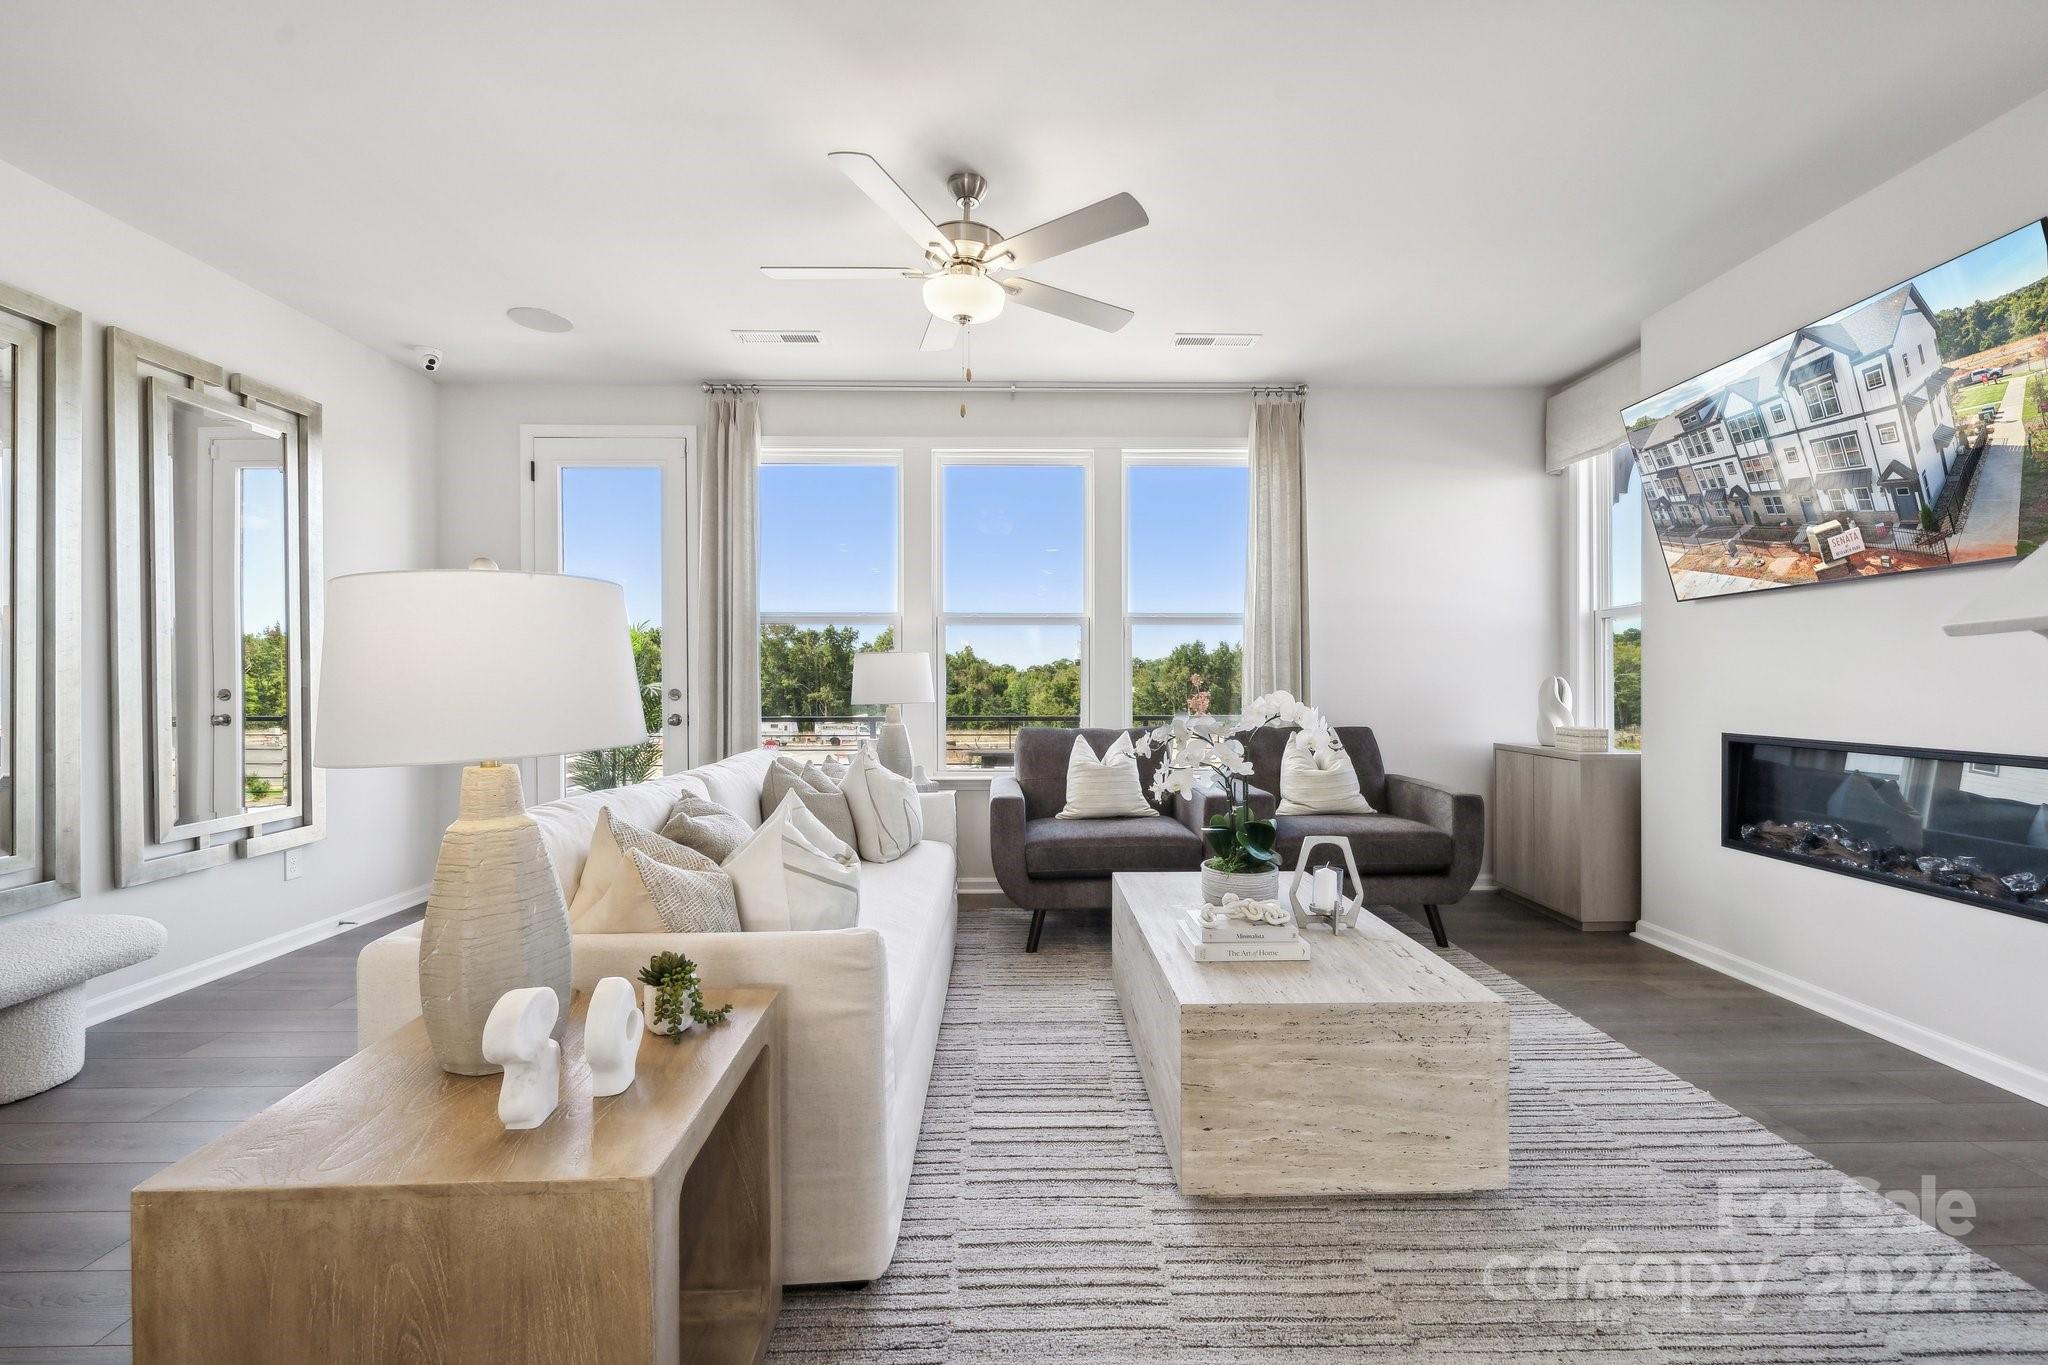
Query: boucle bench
(44, 967)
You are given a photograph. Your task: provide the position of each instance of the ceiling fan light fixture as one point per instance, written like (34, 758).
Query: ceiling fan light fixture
(963, 293)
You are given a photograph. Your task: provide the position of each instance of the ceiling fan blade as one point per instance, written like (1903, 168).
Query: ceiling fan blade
(940, 335)
(840, 272)
(1109, 217)
(878, 185)
(1079, 308)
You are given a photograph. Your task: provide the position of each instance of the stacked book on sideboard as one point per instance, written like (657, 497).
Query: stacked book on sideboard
(1584, 739)
(1240, 940)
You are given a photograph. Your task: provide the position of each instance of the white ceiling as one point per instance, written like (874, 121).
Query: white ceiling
(1477, 193)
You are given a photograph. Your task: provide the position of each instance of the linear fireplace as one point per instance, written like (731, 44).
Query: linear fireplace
(1972, 827)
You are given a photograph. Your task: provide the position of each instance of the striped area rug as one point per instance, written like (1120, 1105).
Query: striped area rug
(1645, 1222)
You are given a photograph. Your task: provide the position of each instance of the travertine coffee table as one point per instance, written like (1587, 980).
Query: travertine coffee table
(1373, 1068)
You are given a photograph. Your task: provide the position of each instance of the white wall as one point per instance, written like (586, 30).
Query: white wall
(379, 515)
(1865, 661)
(1434, 605)
(1432, 532)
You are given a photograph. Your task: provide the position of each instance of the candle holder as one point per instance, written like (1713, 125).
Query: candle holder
(1340, 912)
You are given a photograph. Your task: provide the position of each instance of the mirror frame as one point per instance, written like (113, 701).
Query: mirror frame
(46, 661)
(143, 377)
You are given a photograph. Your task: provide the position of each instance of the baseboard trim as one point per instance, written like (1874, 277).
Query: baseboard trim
(2022, 1080)
(979, 893)
(157, 988)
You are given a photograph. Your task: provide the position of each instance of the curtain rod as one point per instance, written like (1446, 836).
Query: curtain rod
(996, 388)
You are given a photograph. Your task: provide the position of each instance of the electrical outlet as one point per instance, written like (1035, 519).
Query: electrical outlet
(294, 862)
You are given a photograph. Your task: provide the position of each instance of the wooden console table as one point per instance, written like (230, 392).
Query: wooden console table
(383, 1213)
(1568, 833)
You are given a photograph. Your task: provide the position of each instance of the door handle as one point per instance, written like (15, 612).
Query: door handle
(674, 719)
(223, 718)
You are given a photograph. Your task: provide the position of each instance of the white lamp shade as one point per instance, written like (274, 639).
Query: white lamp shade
(457, 667)
(2017, 600)
(890, 679)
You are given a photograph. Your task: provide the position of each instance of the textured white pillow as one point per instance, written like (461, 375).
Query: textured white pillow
(887, 818)
(784, 881)
(1316, 777)
(689, 900)
(1105, 788)
(612, 897)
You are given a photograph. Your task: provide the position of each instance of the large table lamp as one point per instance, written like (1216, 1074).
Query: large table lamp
(476, 667)
(893, 679)
(2017, 601)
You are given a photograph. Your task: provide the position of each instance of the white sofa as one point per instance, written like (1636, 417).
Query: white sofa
(862, 1012)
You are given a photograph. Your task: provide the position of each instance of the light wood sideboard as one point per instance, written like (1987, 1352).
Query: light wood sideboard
(383, 1213)
(1568, 833)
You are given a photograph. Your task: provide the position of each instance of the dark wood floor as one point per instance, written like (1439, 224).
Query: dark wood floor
(157, 1084)
(162, 1081)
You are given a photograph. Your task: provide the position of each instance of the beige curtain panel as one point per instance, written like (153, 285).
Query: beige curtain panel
(725, 666)
(1276, 623)
(1583, 419)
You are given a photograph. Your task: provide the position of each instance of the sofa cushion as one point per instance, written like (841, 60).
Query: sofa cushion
(1042, 756)
(1096, 848)
(1267, 745)
(735, 783)
(567, 825)
(1383, 844)
(612, 896)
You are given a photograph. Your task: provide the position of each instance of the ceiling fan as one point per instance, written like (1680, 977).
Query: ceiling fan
(967, 264)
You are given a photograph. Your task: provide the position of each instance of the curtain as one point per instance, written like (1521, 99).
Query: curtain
(725, 666)
(1276, 624)
(1583, 419)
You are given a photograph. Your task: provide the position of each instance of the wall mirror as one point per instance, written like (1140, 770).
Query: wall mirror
(40, 357)
(214, 488)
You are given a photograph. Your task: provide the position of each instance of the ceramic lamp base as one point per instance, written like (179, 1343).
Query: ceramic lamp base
(495, 921)
(892, 746)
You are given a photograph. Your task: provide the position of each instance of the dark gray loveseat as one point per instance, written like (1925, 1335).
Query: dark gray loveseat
(1422, 848)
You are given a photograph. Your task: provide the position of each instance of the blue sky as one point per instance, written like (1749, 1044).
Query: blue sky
(1998, 267)
(263, 558)
(1016, 543)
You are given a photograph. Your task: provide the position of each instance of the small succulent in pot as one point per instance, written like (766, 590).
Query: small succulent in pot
(675, 997)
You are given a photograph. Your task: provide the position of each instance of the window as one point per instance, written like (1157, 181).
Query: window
(1713, 482)
(1013, 598)
(1888, 432)
(1747, 427)
(1838, 452)
(829, 550)
(1778, 413)
(1791, 454)
(1608, 654)
(1822, 401)
(1774, 504)
(1863, 498)
(1698, 445)
(1186, 623)
(1873, 378)
(1906, 365)
(1838, 500)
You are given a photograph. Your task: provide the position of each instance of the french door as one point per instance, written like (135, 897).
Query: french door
(612, 503)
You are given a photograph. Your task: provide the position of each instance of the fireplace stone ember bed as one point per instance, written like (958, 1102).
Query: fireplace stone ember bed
(1971, 827)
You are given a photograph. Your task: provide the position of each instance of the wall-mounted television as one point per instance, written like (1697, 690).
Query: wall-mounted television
(1886, 438)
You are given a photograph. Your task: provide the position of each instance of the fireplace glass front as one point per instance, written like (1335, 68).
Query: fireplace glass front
(1969, 826)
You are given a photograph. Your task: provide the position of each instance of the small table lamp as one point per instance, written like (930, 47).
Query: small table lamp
(474, 667)
(2017, 601)
(892, 679)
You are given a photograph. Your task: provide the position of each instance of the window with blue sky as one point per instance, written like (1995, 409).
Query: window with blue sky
(1185, 544)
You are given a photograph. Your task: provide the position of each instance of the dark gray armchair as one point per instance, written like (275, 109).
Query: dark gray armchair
(1043, 863)
(1421, 847)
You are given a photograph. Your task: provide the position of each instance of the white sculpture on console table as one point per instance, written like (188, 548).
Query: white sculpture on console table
(516, 1038)
(612, 1030)
(1553, 709)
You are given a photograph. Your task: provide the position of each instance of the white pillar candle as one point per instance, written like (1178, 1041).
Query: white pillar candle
(1323, 888)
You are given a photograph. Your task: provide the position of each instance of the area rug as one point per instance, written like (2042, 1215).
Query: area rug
(1644, 1222)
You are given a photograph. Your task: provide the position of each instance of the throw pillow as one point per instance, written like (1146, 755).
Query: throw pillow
(835, 770)
(887, 817)
(819, 793)
(1316, 777)
(1105, 788)
(783, 881)
(706, 826)
(2037, 833)
(611, 897)
(689, 900)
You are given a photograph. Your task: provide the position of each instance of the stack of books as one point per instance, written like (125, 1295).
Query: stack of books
(1585, 739)
(1238, 940)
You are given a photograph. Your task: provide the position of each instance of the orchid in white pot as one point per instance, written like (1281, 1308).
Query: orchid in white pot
(1198, 749)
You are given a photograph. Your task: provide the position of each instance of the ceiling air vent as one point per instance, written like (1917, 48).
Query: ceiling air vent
(1238, 339)
(780, 338)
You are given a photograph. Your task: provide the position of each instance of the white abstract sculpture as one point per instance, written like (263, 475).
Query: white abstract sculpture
(1553, 708)
(516, 1038)
(612, 1031)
